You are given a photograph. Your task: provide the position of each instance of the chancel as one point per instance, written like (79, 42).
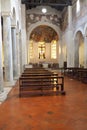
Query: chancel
(43, 64)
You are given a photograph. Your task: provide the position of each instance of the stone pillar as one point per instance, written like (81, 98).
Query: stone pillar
(1, 67)
(3, 94)
(24, 49)
(85, 51)
(20, 46)
(14, 52)
(76, 51)
(18, 52)
(23, 37)
(69, 39)
(7, 49)
(60, 54)
(69, 17)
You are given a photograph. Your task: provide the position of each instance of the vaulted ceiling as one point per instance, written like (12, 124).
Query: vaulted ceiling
(57, 4)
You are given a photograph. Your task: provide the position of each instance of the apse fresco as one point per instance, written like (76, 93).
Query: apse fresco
(43, 33)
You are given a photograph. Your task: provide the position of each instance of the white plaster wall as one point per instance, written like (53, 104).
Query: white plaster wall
(6, 6)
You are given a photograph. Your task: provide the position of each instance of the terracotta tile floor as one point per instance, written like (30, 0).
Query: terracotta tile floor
(67, 112)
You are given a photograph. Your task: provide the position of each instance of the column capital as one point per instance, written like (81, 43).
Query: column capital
(6, 14)
(13, 26)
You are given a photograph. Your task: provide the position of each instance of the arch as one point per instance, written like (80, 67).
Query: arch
(79, 49)
(78, 30)
(85, 30)
(33, 26)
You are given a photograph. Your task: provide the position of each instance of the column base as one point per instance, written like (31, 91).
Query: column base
(16, 78)
(9, 84)
(3, 96)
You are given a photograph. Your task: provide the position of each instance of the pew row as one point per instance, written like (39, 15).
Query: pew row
(40, 84)
(77, 73)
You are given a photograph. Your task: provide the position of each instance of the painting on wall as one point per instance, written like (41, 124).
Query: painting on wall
(44, 33)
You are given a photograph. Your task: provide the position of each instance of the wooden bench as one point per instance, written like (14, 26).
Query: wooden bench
(40, 84)
(77, 73)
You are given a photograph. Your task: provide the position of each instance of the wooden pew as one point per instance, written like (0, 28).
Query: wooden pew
(83, 75)
(40, 84)
(77, 73)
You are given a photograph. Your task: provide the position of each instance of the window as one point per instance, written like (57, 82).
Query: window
(53, 49)
(78, 6)
(31, 49)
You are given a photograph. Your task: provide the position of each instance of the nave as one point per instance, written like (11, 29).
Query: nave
(68, 112)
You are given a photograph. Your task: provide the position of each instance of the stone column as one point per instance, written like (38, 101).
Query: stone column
(3, 94)
(20, 46)
(18, 52)
(7, 49)
(14, 52)
(76, 51)
(69, 17)
(23, 37)
(69, 39)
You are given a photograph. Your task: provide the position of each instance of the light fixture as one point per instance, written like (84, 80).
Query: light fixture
(44, 10)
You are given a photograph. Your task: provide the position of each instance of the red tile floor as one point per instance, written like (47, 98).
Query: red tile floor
(67, 112)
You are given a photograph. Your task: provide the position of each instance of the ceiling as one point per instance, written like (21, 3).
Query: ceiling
(57, 4)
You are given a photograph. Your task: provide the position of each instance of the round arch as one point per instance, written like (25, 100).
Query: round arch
(78, 30)
(79, 49)
(85, 30)
(33, 26)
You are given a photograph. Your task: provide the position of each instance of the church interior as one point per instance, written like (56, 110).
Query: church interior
(43, 64)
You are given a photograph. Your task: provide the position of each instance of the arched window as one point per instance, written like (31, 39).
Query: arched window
(78, 6)
(53, 49)
(31, 49)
